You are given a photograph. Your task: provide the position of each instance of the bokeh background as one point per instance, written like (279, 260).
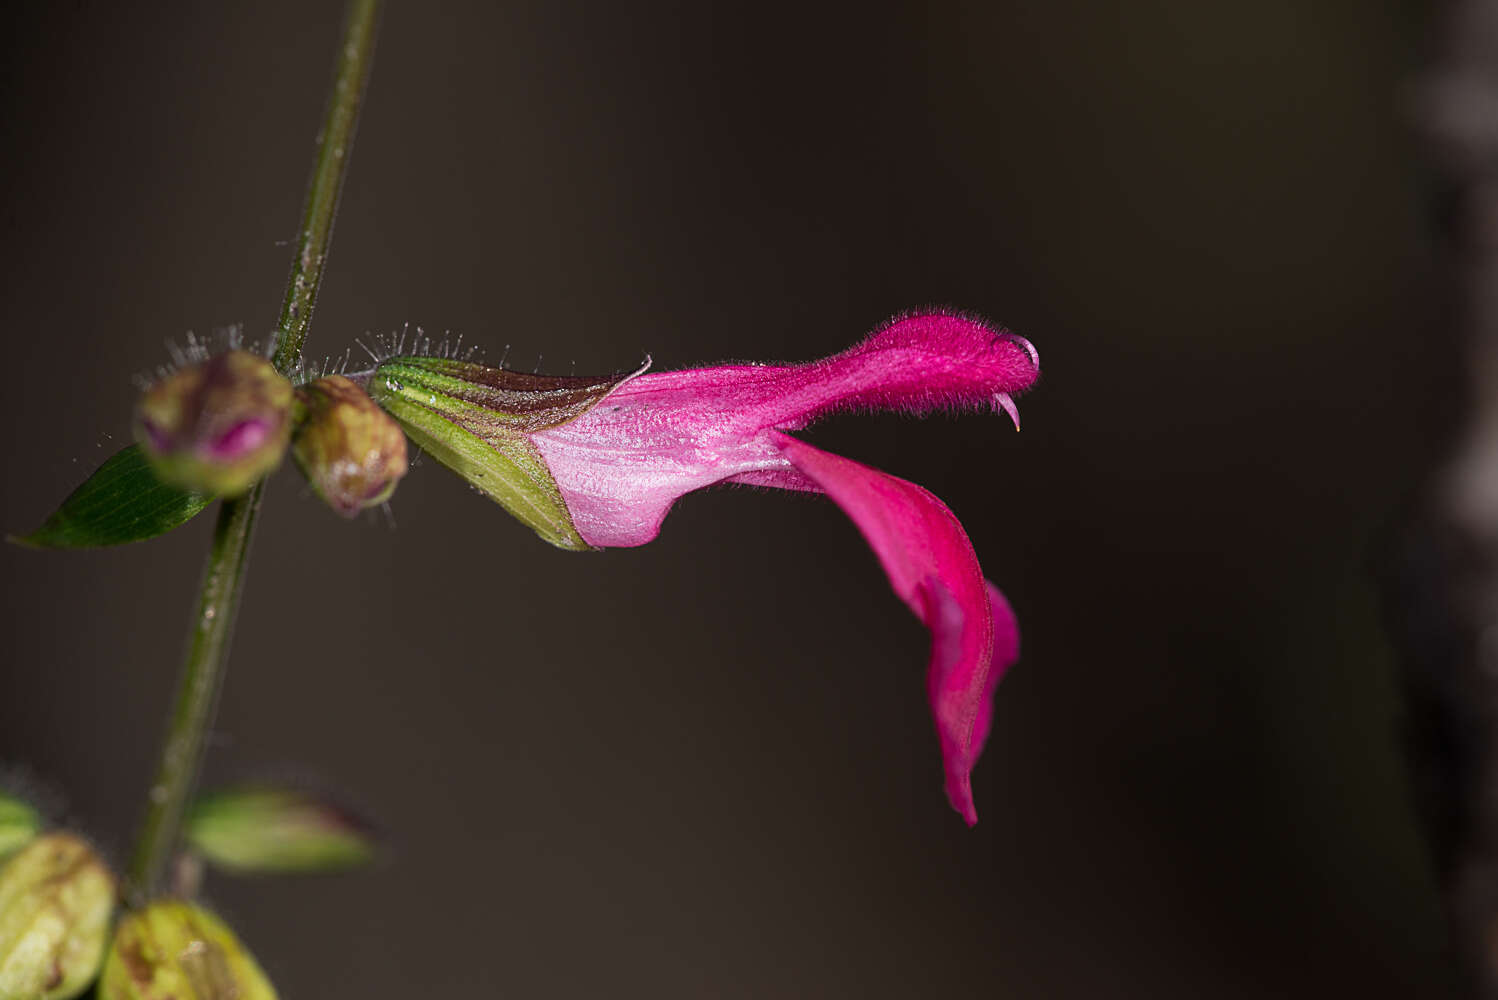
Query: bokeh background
(705, 767)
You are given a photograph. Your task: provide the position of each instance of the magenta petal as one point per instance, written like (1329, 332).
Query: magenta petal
(932, 567)
(1005, 652)
(914, 363)
(245, 436)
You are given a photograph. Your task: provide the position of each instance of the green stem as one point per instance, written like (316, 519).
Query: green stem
(197, 691)
(223, 579)
(334, 144)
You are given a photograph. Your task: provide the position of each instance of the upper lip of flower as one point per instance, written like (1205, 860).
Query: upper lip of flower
(622, 464)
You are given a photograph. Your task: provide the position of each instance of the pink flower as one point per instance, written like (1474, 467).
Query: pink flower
(622, 464)
(598, 463)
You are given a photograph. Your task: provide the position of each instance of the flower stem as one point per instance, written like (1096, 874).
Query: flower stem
(334, 145)
(223, 579)
(197, 692)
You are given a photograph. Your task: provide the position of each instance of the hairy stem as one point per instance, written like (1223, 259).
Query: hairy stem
(223, 579)
(334, 144)
(197, 691)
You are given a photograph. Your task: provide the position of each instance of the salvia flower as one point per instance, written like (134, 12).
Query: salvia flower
(55, 900)
(216, 427)
(175, 950)
(599, 462)
(349, 449)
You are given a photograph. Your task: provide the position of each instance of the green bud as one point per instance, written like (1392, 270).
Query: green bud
(173, 950)
(350, 450)
(277, 830)
(18, 824)
(216, 427)
(477, 420)
(55, 900)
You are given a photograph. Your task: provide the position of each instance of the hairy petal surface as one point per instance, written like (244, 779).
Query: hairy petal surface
(932, 567)
(621, 465)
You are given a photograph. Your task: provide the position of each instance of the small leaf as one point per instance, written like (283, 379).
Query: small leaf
(18, 824)
(122, 501)
(261, 829)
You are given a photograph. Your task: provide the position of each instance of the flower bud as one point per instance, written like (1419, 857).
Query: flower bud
(174, 950)
(55, 900)
(18, 824)
(350, 450)
(478, 421)
(216, 427)
(277, 830)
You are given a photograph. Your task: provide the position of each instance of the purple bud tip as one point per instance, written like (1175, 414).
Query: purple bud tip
(245, 436)
(159, 440)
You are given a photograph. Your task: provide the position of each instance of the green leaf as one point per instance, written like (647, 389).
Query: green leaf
(121, 502)
(265, 829)
(18, 824)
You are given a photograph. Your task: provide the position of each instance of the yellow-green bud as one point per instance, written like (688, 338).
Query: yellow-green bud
(216, 427)
(350, 450)
(174, 950)
(18, 824)
(55, 900)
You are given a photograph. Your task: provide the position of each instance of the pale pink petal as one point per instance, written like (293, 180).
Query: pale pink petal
(622, 464)
(932, 567)
(620, 476)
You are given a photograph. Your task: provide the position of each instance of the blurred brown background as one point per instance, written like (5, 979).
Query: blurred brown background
(705, 767)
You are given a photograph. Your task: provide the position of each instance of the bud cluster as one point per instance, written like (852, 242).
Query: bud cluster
(220, 426)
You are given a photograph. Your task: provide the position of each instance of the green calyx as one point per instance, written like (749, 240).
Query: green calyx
(55, 900)
(173, 950)
(478, 420)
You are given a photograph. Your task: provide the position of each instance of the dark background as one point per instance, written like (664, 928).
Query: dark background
(705, 767)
